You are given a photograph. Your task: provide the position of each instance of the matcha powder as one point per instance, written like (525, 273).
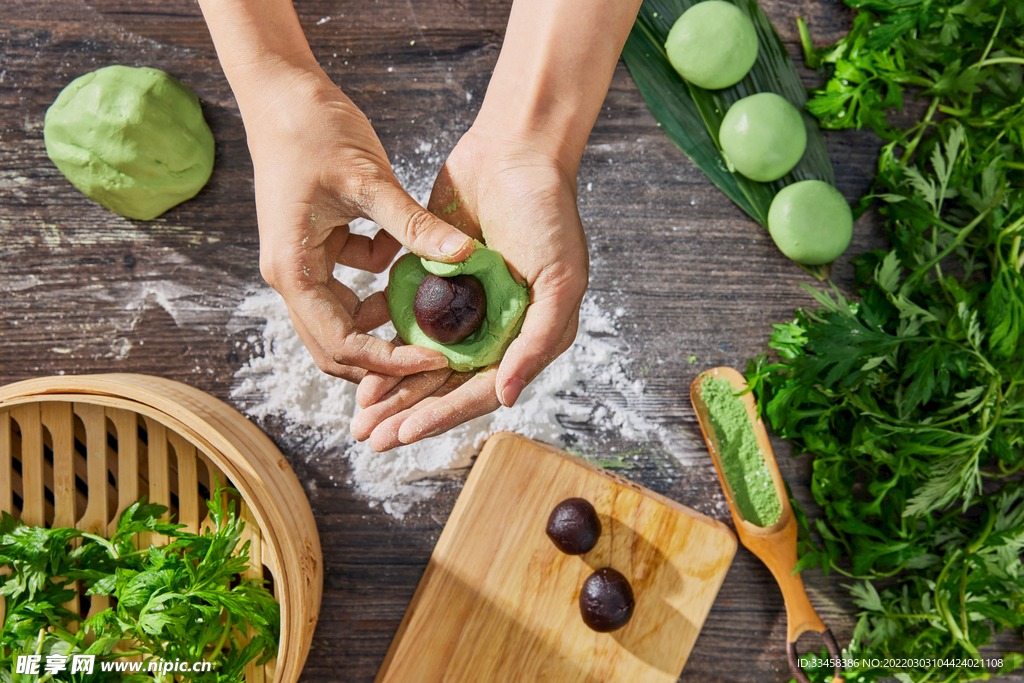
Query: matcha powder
(742, 461)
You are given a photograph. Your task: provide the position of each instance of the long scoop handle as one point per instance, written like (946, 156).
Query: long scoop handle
(778, 552)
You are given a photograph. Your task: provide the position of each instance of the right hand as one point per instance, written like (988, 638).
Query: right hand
(319, 165)
(508, 191)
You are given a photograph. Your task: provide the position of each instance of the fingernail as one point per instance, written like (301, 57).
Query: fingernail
(510, 394)
(453, 244)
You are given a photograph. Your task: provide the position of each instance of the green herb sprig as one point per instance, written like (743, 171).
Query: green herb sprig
(185, 600)
(911, 397)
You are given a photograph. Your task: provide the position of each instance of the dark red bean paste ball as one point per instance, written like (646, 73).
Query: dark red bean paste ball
(606, 600)
(449, 309)
(573, 526)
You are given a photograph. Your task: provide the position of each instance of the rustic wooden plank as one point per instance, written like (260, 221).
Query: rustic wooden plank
(74, 278)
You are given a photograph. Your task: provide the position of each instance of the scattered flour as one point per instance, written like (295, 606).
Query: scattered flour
(587, 388)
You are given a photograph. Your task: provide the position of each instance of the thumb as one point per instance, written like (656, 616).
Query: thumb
(420, 231)
(550, 327)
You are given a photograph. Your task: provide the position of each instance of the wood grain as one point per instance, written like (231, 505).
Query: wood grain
(59, 421)
(80, 288)
(500, 603)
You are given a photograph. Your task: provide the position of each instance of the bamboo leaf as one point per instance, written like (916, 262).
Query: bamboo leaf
(691, 116)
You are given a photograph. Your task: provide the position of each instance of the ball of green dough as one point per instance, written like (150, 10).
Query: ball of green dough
(712, 45)
(763, 136)
(810, 222)
(506, 306)
(132, 139)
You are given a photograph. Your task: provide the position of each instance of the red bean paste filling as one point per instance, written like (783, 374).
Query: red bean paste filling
(449, 309)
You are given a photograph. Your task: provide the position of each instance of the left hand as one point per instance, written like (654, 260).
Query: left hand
(318, 165)
(517, 199)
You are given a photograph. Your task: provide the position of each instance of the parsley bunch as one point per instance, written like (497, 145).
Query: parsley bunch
(911, 397)
(183, 601)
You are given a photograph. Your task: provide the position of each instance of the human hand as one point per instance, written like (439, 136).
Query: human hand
(512, 180)
(319, 165)
(513, 195)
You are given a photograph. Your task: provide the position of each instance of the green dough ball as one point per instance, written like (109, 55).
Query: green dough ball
(506, 305)
(133, 140)
(712, 45)
(763, 136)
(810, 222)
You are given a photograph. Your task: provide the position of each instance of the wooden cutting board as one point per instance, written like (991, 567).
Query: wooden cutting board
(498, 602)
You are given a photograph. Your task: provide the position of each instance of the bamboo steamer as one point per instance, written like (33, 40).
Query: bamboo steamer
(163, 439)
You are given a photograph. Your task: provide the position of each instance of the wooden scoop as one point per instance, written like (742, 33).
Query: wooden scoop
(774, 545)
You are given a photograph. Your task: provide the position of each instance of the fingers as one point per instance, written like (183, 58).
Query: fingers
(407, 392)
(345, 372)
(548, 330)
(334, 340)
(454, 205)
(420, 231)
(333, 321)
(374, 387)
(371, 312)
(474, 398)
(385, 435)
(437, 414)
(372, 254)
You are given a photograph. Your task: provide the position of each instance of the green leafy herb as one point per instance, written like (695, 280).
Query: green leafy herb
(183, 601)
(911, 397)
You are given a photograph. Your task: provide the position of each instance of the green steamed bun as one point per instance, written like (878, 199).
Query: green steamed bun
(712, 45)
(132, 139)
(810, 222)
(763, 136)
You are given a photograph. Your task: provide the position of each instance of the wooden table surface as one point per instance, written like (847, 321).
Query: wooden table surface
(692, 274)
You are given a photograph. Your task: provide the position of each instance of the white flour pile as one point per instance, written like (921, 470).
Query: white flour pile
(587, 387)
